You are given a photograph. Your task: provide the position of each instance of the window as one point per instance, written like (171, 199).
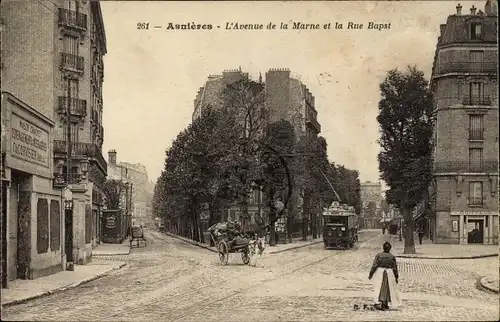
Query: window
(475, 193)
(73, 87)
(476, 59)
(70, 45)
(476, 31)
(475, 158)
(75, 130)
(42, 233)
(476, 127)
(476, 92)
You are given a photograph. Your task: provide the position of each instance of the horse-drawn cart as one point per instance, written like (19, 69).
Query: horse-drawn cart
(228, 238)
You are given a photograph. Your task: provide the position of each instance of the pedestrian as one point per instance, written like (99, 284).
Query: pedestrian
(383, 229)
(384, 273)
(420, 234)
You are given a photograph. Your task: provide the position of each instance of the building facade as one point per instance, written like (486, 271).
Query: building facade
(371, 199)
(138, 188)
(52, 55)
(463, 197)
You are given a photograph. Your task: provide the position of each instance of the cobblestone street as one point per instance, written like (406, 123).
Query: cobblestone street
(174, 281)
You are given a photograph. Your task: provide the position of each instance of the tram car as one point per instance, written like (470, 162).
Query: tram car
(340, 228)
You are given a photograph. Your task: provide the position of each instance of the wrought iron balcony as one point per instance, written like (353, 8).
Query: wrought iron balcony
(477, 100)
(466, 166)
(80, 149)
(468, 67)
(72, 62)
(77, 106)
(61, 180)
(72, 19)
(475, 201)
(313, 123)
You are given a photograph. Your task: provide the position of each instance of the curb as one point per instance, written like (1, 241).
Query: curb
(416, 256)
(294, 247)
(192, 242)
(482, 284)
(63, 288)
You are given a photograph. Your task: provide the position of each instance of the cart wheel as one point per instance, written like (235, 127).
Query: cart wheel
(245, 257)
(223, 252)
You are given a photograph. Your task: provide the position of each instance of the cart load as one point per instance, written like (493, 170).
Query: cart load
(228, 237)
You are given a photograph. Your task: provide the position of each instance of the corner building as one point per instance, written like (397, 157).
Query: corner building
(52, 65)
(464, 191)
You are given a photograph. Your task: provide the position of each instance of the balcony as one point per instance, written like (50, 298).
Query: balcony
(77, 107)
(80, 149)
(465, 166)
(476, 101)
(312, 122)
(72, 62)
(72, 19)
(101, 130)
(61, 180)
(475, 201)
(468, 67)
(477, 135)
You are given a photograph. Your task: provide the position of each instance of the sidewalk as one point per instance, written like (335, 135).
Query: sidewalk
(105, 249)
(490, 283)
(428, 250)
(297, 243)
(20, 291)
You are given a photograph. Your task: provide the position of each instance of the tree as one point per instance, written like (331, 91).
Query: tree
(276, 178)
(405, 160)
(310, 173)
(244, 109)
(113, 191)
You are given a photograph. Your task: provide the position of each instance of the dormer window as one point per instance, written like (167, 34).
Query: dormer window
(476, 31)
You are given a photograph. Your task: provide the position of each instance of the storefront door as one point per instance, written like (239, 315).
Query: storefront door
(475, 231)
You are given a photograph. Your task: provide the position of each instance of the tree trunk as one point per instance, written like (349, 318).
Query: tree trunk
(314, 227)
(408, 230)
(289, 228)
(272, 239)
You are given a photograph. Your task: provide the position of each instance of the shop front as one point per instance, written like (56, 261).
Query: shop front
(476, 227)
(32, 209)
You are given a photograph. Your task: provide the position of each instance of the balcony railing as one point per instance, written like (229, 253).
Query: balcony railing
(62, 180)
(477, 100)
(476, 135)
(74, 62)
(72, 19)
(468, 67)
(465, 166)
(77, 106)
(314, 123)
(475, 201)
(81, 149)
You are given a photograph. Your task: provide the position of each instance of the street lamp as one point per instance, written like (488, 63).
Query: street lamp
(68, 198)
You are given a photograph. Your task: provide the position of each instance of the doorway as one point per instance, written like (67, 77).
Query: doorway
(475, 231)
(68, 235)
(19, 256)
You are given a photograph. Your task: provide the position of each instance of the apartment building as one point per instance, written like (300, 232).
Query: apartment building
(136, 177)
(463, 197)
(52, 75)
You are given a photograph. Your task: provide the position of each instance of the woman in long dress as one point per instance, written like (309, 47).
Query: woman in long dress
(384, 273)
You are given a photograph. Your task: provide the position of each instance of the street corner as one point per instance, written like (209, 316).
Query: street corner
(489, 283)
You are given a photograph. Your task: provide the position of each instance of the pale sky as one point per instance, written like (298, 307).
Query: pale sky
(152, 76)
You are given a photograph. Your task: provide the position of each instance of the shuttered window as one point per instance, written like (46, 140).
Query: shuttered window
(475, 158)
(70, 45)
(476, 127)
(475, 193)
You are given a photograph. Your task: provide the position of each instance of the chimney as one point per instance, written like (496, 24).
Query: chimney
(112, 157)
(473, 10)
(490, 8)
(459, 9)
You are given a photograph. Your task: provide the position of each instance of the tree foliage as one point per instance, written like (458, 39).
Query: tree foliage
(405, 160)
(113, 192)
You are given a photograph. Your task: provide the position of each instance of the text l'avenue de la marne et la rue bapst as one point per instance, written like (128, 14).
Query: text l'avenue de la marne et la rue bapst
(291, 25)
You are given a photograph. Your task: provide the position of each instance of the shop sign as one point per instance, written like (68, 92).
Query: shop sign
(29, 142)
(111, 222)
